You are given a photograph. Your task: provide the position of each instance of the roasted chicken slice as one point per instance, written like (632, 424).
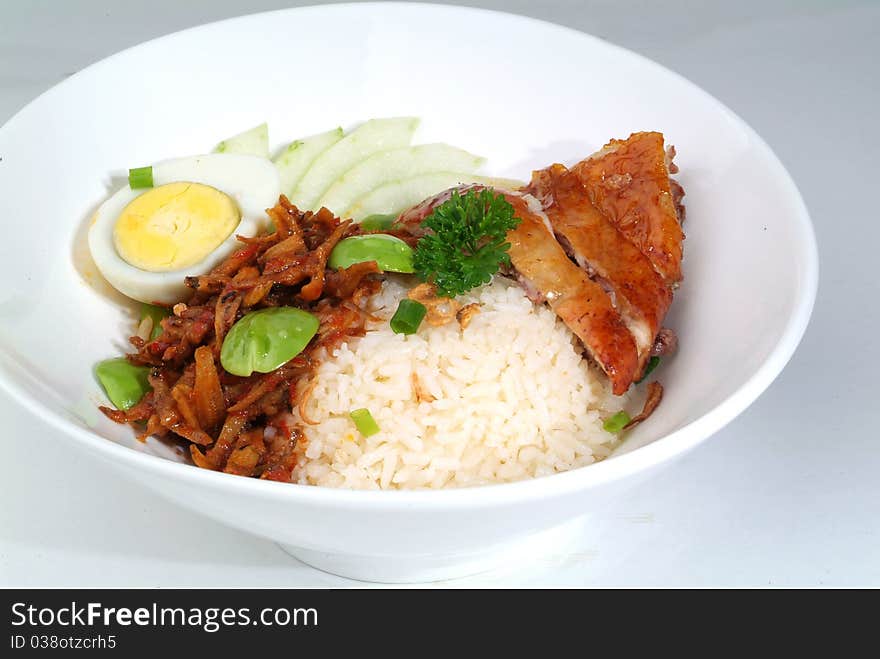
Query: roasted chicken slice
(628, 182)
(637, 291)
(617, 215)
(582, 304)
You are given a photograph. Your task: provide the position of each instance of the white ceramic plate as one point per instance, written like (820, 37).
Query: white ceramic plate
(522, 92)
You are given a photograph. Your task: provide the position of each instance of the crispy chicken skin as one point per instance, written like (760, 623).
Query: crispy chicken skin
(640, 294)
(579, 302)
(628, 182)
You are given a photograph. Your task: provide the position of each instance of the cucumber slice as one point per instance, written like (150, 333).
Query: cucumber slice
(387, 166)
(293, 162)
(253, 142)
(395, 197)
(373, 136)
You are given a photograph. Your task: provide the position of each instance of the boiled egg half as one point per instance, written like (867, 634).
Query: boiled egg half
(146, 241)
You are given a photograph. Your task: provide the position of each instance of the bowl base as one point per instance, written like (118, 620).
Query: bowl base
(439, 567)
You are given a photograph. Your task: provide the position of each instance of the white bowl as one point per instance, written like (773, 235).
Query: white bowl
(522, 92)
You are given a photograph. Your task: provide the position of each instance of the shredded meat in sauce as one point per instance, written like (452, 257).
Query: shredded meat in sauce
(244, 425)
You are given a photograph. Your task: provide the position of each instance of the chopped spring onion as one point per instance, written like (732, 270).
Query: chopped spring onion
(140, 177)
(156, 314)
(652, 364)
(408, 317)
(377, 222)
(616, 422)
(364, 422)
(124, 382)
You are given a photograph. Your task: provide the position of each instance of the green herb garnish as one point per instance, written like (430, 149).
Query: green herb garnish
(408, 317)
(140, 177)
(364, 422)
(616, 422)
(468, 241)
(653, 363)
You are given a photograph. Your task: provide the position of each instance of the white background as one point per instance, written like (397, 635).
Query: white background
(787, 495)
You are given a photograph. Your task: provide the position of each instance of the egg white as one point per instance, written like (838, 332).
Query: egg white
(252, 182)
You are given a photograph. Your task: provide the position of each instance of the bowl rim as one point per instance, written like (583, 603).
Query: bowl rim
(658, 451)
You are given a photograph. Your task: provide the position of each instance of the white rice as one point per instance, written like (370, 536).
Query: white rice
(514, 399)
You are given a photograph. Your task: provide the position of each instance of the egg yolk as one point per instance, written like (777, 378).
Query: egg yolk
(174, 226)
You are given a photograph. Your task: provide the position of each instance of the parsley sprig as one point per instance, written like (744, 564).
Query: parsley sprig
(468, 241)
